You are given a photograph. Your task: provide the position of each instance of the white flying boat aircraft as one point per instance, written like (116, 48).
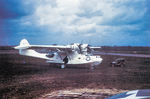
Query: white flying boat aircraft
(70, 54)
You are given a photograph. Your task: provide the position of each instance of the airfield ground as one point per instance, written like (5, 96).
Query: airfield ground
(24, 77)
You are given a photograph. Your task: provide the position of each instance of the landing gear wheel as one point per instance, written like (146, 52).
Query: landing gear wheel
(62, 66)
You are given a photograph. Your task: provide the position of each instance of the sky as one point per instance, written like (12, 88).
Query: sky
(97, 22)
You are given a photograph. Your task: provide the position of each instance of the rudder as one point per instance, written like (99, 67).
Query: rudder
(24, 42)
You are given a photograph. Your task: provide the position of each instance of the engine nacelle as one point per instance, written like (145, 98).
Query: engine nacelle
(84, 47)
(80, 48)
(75, 47)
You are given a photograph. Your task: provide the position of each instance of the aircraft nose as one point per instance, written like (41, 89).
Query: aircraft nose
(100, 59)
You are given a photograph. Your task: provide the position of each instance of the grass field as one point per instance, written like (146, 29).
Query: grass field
(25, 77)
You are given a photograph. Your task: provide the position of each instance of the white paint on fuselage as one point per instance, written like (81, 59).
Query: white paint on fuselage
(76, 58)
(76, 53)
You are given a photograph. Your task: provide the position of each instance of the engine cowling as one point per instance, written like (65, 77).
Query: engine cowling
(81, 48)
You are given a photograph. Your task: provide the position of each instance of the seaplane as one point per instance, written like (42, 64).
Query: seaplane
(75, 53)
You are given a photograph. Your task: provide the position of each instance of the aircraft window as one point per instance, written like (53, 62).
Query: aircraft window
(97, 56)
(88, 58)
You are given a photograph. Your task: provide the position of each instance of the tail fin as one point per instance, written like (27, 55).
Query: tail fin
(24, 44)
(23, 50)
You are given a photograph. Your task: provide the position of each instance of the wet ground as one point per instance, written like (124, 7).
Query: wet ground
(24, 77)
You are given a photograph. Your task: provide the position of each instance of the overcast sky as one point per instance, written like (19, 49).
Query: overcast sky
(97, 22)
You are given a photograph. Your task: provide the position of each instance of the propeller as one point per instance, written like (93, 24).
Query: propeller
(84, 48)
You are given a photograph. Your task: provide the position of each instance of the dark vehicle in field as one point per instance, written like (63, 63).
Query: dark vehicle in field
(119, 62)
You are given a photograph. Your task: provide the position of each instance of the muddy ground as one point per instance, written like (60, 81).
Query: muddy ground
(23, 77)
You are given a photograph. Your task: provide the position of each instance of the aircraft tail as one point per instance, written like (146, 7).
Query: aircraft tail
(24, 50)
(24, 44)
